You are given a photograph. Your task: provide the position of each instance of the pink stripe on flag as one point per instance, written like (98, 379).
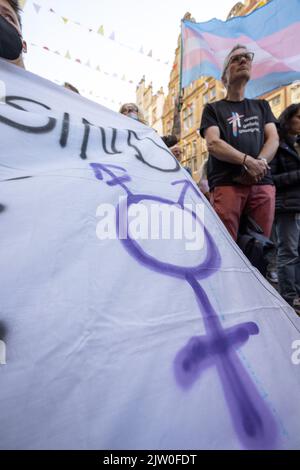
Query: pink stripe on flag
(283, 44)
(218, 43)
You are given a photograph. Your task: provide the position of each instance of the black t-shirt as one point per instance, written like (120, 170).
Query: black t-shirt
(241, 125)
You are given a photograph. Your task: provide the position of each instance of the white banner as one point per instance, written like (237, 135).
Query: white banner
(128, 317)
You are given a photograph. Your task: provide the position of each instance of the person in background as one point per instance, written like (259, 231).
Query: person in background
(286, 175)
(12, 45)
(133, 111)
(242, 140)
(177, 152)
(170, 140)
(71, 87)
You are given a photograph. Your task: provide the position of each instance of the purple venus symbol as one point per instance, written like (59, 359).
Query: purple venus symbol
(252, 420)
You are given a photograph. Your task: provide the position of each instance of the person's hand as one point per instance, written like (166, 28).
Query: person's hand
(256, 168)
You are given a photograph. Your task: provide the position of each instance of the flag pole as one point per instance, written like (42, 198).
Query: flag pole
(180, 95)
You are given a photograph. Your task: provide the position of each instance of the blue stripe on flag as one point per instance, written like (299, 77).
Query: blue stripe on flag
(267, 20)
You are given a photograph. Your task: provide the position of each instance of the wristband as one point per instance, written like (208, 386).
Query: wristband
(245, 156)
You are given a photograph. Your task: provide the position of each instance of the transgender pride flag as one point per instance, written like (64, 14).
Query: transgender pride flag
(271, 32)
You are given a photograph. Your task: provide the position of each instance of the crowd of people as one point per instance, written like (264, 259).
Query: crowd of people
(253, 168)
(252, 173)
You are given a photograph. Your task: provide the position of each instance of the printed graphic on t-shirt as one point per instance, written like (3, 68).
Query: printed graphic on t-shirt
(248, 125)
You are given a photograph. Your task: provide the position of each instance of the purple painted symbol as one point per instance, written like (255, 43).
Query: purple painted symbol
(252, 420)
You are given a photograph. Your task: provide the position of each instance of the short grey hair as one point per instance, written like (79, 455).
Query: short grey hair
(227, 60)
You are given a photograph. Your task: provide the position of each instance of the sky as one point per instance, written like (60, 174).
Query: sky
(140, 38)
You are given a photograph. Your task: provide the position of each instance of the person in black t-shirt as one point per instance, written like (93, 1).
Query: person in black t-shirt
(12, 44)
(242, 139)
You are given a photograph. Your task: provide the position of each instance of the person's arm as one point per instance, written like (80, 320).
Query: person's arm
(226, 153)
(271, 142)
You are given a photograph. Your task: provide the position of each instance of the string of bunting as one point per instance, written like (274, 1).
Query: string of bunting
(100, 31)
(86, 64)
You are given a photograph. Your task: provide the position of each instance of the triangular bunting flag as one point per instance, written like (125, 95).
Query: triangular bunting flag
(57, 52)
(37, 7)
(68, 56)
(112, 36)
(22, 3)
(88, 64)
(46, 48)
(150, 53)
(65, 20)
(123, 78)
(90, 30)
(141, 51)
(51, 10)
(98, 68)
(78, 60)
(101, 30)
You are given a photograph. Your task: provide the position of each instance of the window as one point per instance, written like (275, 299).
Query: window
(205, 98)
(275, 101)
(169, 127)
(203, 145)
(188, 117)
(195, 164)
(188, 163)
(172, 97)
(154, 115)
(194, 148)
(295, 94)
(188, 150)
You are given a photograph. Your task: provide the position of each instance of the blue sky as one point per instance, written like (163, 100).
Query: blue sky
(135, 23)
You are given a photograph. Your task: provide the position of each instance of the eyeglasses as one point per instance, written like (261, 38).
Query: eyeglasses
(249, 56)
